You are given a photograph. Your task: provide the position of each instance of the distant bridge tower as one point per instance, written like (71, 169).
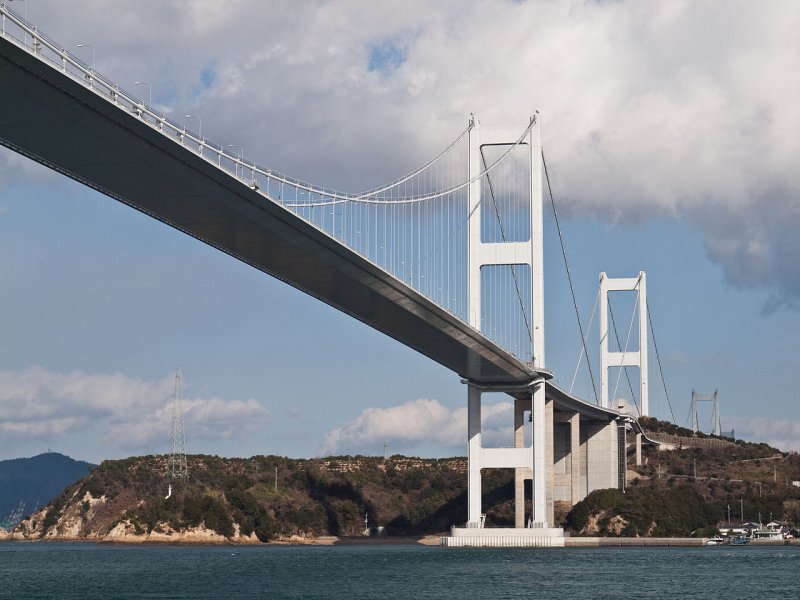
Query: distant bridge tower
(715, 415)
(625, 358)
(518, 253)
(177, 442)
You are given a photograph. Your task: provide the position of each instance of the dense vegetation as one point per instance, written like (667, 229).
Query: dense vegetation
(693, 491)
(685, 491)
(272, 496)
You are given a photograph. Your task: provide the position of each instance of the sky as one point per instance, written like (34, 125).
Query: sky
(671, 131)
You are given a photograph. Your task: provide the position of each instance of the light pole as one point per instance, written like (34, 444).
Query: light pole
(199, 125)
(92, 49)
(199, 129)
(149, 91)
(241, 157)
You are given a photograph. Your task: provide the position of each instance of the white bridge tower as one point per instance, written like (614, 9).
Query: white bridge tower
(625, 357)
(528, 462)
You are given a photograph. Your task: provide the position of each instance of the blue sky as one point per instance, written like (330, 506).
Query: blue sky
(670, 152)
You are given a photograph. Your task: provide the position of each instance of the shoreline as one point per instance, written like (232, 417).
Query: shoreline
(425, 540)
(325, 540)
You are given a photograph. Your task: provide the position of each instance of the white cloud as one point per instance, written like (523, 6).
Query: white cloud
(783, 434)
(130, 414)
(651, 109)
(416, 422)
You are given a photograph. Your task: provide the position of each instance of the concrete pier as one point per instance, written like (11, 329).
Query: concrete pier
(505, 537)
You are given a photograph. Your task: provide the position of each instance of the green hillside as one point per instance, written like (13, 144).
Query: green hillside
(679, 492)
(316, 497)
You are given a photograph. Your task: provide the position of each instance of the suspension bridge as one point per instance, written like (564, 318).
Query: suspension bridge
(446, 260)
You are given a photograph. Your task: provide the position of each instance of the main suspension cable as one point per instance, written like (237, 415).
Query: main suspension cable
(658, 359)
(583, 346)
(340, 198)
(569, 278)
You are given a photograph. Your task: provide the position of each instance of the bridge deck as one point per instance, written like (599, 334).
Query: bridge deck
(66, 125)
(71, 127)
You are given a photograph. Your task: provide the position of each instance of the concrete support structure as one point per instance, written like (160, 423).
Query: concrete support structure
(549, 476)
(638, 449)
(568, 467)
(520, 473)
(602, 447)
(625, 358)
(474, 459)
(575, 457)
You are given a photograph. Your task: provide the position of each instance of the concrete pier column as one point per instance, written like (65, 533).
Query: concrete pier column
(575, 457)
(540, 436)
(639, 449)
(519, 473)
(474, 457)
(549, 459)
(602, 461)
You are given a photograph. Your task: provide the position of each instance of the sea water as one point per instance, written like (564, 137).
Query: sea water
(90, 571)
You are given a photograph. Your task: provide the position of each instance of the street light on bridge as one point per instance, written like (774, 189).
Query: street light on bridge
(199, 124)
(93, 54)
(149, 91)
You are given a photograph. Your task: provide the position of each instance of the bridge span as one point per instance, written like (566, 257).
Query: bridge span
(60, 112)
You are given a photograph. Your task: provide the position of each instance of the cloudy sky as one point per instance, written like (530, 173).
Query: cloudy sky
(671, 132)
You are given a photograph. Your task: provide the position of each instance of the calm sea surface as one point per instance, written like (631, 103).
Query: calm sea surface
(89, 571)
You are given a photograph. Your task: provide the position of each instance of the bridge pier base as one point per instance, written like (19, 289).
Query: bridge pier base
(534, 462)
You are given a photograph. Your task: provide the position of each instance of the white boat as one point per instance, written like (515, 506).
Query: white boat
(715, 541)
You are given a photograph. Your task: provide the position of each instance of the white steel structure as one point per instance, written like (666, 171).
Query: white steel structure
(717, 428)
(527, 462)
(446, 259)
(624, 358)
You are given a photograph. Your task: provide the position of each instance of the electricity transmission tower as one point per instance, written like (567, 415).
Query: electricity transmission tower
(177, 441)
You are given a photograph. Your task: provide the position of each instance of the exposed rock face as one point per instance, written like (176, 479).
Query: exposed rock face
(601, 524)
(73, 525)
(125, 532)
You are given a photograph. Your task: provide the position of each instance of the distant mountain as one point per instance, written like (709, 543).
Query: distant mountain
(29, 483)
